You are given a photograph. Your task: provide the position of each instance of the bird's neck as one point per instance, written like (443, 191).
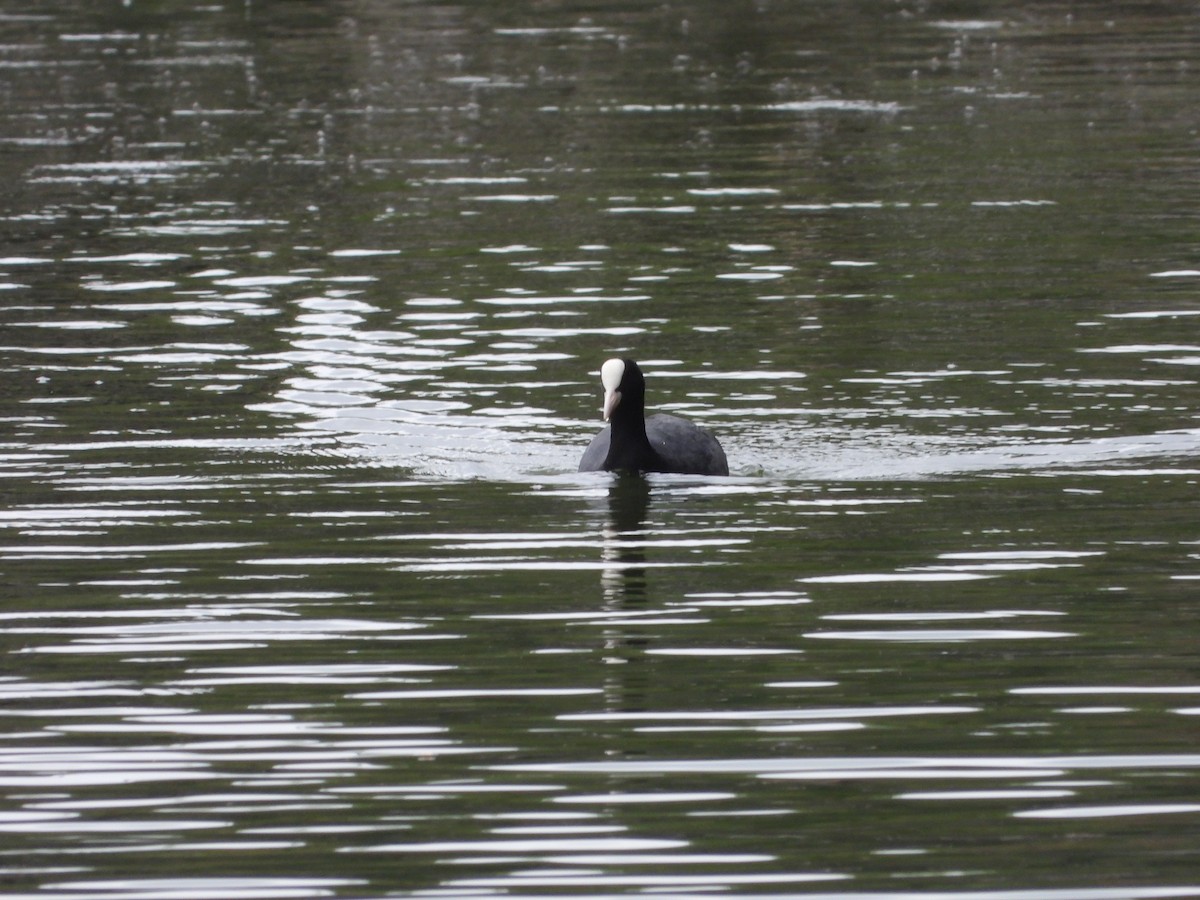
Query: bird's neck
(629, 447)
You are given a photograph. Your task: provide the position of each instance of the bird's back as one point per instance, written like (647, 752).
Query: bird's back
(685, 448)
(596, 452)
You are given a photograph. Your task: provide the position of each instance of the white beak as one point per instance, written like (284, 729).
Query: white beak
(611, 400)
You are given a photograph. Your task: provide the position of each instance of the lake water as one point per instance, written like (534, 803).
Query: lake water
(303, 306)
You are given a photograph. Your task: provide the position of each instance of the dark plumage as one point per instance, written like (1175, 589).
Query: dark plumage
(631, 442)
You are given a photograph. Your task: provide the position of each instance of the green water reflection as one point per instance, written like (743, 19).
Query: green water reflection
(303, 307)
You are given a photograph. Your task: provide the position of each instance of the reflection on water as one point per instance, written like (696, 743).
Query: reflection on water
(301, 311)
(624, 549)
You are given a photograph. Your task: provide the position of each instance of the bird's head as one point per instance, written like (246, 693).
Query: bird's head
(623, 381)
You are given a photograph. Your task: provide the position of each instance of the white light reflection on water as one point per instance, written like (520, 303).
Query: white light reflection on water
(872, 768)
(198, 634)
(750, 716)
(671, 883)
(342, 367)
(530, 845)
(940, 635)
(326, 673)
(881, 577)
(190, 888)
(1108, 812)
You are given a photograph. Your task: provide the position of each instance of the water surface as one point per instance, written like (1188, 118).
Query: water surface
(302, 313)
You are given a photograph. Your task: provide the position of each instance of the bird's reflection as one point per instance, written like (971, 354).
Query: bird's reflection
(623, 577)
(623, 583)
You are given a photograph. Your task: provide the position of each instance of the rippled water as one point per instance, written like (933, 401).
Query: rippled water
(302, 308)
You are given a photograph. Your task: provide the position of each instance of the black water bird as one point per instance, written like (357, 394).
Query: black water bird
(631, 442)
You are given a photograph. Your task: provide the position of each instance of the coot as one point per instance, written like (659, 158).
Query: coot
(631, 442)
